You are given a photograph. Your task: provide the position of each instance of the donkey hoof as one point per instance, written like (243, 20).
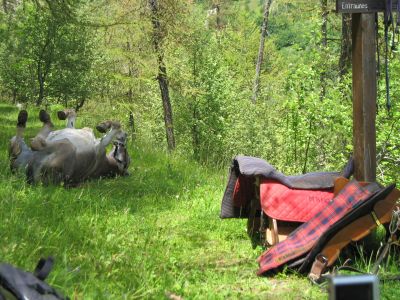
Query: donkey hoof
(116, 125)
(22, 118)
(66, 113)
(61, 115)
(44, 116)
(102, 127)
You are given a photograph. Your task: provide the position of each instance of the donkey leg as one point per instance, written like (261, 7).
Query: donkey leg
(109, 137)
(69, 115)
(104, 126)
(17, 142)
(18, 152)
(21, 123)
(39, 141)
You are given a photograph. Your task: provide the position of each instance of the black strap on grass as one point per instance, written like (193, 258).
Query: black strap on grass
(43, 268)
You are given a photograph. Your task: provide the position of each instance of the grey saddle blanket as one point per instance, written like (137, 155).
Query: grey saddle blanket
(244, 170)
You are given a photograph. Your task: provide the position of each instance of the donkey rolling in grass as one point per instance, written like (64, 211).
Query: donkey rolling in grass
(69, 155)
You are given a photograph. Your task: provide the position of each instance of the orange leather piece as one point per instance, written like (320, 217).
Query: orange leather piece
(339, 184)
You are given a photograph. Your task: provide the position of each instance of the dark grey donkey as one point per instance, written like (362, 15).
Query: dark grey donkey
(68, 155)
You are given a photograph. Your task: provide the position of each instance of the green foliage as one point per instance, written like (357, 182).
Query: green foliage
(388, 127)
(101, 53)
(46, 56)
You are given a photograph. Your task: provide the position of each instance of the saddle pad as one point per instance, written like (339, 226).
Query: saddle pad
(306, 236)
(283, 203)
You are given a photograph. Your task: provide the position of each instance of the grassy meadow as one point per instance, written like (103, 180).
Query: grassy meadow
(141, 237)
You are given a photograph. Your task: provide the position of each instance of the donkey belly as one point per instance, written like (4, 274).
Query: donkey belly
(74, 152)
(82, 139)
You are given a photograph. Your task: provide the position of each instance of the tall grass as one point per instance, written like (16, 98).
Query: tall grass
(155, 232)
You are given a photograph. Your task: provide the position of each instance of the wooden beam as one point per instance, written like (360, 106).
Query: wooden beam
(364, 96)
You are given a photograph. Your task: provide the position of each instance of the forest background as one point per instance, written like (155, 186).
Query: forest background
(180, 75)
(114, 55)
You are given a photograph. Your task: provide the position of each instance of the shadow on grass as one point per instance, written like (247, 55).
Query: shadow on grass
(44, 218)
(153, 180)
(154, 184)
(97, 215)
(7, 108)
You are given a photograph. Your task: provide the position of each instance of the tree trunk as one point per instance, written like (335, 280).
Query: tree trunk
(345, 52)
(310, 126)
(195, 114)
(162, 75)
(14, 93)
(79, 104)
(163, 83)
(195, 133)
(324, 43)
(261, 49)
(218, 18)
(44, 62)
(130, 73)
(132, 125)
(39, 100)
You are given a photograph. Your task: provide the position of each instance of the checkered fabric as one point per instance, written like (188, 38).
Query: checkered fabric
(304, 238)
(293, 205)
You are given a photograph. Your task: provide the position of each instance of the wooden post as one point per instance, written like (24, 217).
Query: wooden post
(364, 96)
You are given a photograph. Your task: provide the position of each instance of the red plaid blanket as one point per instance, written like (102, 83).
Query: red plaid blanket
(304, 238)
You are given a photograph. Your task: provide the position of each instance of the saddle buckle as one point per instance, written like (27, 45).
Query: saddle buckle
(318, 268)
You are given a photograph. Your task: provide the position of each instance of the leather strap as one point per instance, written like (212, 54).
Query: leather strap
(357, 229)
(318, 267)
(43, 268)
(377, 222)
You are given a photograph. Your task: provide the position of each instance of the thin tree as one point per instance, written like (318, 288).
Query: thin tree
(44, 62)
(345, 52)
(324, 43)
(162, 73)
(264, 28)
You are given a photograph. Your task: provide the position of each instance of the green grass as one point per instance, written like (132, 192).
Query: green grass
(142, 236)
